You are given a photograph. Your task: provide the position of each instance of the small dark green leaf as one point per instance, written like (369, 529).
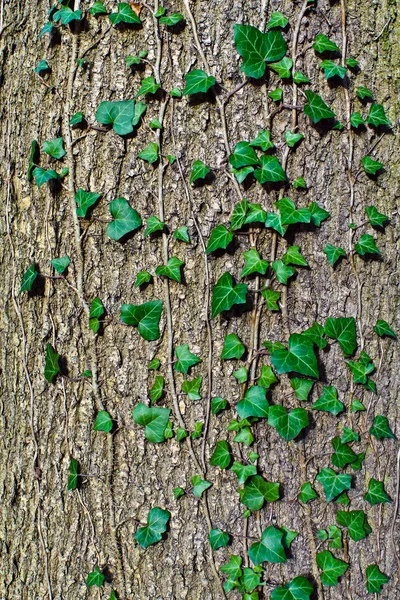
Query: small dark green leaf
(142, 277)
(42, 176)
(270, 170)
(300, 357)
(199, 171)
(371, 166)
(270, 548)
(172, 19)
(342, 329)
(332, 568)
(73, 474)
(381, 428)
(376, 492)
(253, 263)
(257, 48)
(103, 422)
(301, 387)
(328, 401)
(52, 366)
(217, 405)
(287, 423)
(96, 577)
(366, 245)
(377, 117)
(222, 455)
(277, 19)
(119, 114)
(157, 390)
(199, 486)
(172, 269)
(254, 403)
(263, 141)
(257, 491)
(28, 279)
(316, 108)
(220, 238)
(333, 483)
(297, 589)
(157, 521)
(233, 347)
(356, 523)
(307, 493)
(323, 44)
(383, 328)
(225, 294)
(218, 539)
(333, 253)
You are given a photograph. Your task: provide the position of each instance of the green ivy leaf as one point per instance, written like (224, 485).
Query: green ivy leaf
(198, 430)
(276, 95)
(172, 19)
(243, 155)
(269, 548)
(263, 141)
(299, 183)
(233, 347)
(300, 78)
(254, 403)
(217, 405)
(73, 474)
(301, 387)
(342, 329)
(333, 253)
(154, 420)
(157, 521)
(149, 86)
(197, 81)
(328, 401)
(357, 406)
(360, 370)
(47, 28)
(377, 117)
(42, 65)
(28, 279)
(381, 429)
(366, 245)
(192, 388)
(293, 257)
(97, 310)
(182, 234)
(60, 264)
(238, 215)
(363, 92)
(331, 69)
(199, 486)
(241, 374)
(291, 215)
(292, 139)
(172, 269)
(222, 455)
(157, 390)
(287, 423)
(119, 114)
(244, 436)
(96, 577)
(146, 317)
(84, 201)
(375, 579)
(220, 238)
(282, 272)
(54, 148)
(256, 491)
(184, 359)
(253, 263)
(267, 377)
(66, 15)
(283, 67)
(181, 434)
(316, 108)
(376, 218)
(243, 472)
(42, 176)
(343, 454)
(383, 328)
(277, 19)
(218, 539)
(125, 219)
(150, 153)
(34, 155)
(371, 166)
(300, 357)
(307, 493)
(199, 171)
(154, 364)
(297, 589)
(98, 8)
(52, 366)
(103, 422)
(225, 294)
(376, 492)
(270, 170)
(356, 120)
(332, 568)
(316, 334)
(155, 124)
(178, 492)
(153, 225)
(125, 14)
(323, 44)
(142, 277)
(333, 483)
(356, 522)
(271, 298)
(257, 48)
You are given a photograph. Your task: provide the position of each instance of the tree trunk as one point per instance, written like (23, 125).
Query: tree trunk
(52, 537)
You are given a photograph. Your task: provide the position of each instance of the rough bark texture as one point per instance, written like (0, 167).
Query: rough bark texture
(51, 538)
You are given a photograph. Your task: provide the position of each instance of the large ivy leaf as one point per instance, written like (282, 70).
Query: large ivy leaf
(356, 523)
(66, 15)
(119, 114)
(342, 329)
(157, 521)
(198, 81)
(52, 366)
(300, 357)
(84, 201)
(172, 269)
(328, 401)
(254, 403)
(243, 155)
(376, 218)
(184, 359)
(153, 419)
(42, 176)
(291, 215)
(270, 170)
(333, 483)
(256, 491)
(225, 294)
(269, 549)
(375, 579)
(253, 263)
(377, 117)
(316, 108)
(257, 48)
(287, 423)
(343, 454)
(146, 317)
(371, 166)
(222, 455)
(332, 568)
(366, 245)
(233, 347)
(381, 429)
(297, 589)
(220, 238)
(125, 219)
(125, 14)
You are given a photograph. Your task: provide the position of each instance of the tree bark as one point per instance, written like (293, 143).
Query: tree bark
(51, 538)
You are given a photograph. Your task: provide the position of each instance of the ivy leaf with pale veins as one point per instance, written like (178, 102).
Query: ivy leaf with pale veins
(243, 472)
(66, 15)
(316, 334)
(199, 486)
(331, 69)
(292, 139)
(269, 549)
(192, 388)
(270, 170)
(271, 298)
(222, 455)
(198, 81)
(142, 277)
(225, 294)
(184, 359)
(157, 521)
(282, 272)
(291, 215)
(52, 366)
(253, 263)
(84, 201)
(297, 589)
(376, 218)
(356, 523)
(332, 568)
(256, 491)
(333, 253)
(238, 215)
(103, 422)
(294, 257)
(98, 8)
(233, 569)
(233, 347)
(301, 387)
(243, 155)
(316, 108)
(154, 420)
(263, 140)
(377, 117)
(42, 176)
(287, 423)
(220, 238)
(343, 454)
(96, 577)
(300, 357)
(255, 214)
(199, 171)
(54, 148)
(125, 14)
(157, 390)
(125, 219)
(342, 329)
(366, 245)
(307, 493)
(258, 48)
(149, 86)
(146, 317)
(73, 474)
(371, 166)
(217, 405)
(375, 579)
(172, 19)
(381, 429)
(323, 44)
(376, 492)
(150, 153)
(254, 403)
(119, 114)
(182, 234)
(218, 539)
(356, 120)
(277, 19)
(333, 483)
(328, 401)
(383, 328)
(267, 377)
(283, 67)
(28, 279)
(172, 269)
(153, 224)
